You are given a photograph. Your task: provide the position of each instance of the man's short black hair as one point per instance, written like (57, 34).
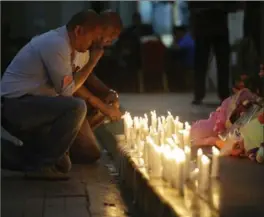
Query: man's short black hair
(111, 18)
(87, 18)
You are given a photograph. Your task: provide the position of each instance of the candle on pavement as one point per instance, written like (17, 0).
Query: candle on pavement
(215, 162)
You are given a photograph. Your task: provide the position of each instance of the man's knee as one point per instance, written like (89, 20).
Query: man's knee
(79, 107)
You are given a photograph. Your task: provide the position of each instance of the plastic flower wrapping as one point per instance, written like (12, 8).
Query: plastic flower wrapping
(236, 127)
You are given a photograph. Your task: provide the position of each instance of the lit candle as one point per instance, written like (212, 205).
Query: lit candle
(156, 164)
(171, 143)
(181, 140)
(187, 126)
(176, 125)
(153, 119)
(146, 153)
(140, 148)
(187, 151)
(167, 161)
(178, 177)
(176, 139)
(161, 137)
(170, 125)
(215, 162)
(203, 181)
(199, 156)
(186, 137)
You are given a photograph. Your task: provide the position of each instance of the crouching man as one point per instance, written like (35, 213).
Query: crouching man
(51, 98)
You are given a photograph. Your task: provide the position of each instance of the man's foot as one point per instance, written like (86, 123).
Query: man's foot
(197, 102)
(64, 164)
(47, 173)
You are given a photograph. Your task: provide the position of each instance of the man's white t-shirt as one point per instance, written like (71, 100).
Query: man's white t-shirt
(44, 67)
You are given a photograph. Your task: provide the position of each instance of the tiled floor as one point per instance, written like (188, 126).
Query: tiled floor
(90, 192)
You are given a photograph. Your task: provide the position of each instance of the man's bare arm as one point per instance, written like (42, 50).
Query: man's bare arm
(96, 86)
(81, 76)
(95, 102)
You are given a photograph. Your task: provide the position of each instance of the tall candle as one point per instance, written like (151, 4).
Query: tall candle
(140, 149)
(161, 137)
(154, 119)
(145, 154)
(178, 181)
(203, 181)
(187, 151)
(199, 156)
(170, 125)
(187, 126)
(171, 142)
(167, 158)
(186, 137)
(181, 140)
(156, 164)
(215, 162)
(176, 139)
(176, 120)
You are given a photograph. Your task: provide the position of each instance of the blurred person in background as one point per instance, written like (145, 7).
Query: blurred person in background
(209, 22)
(45, 96)
(183, 43)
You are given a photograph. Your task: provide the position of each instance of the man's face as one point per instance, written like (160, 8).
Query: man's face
(85, 38)
(108, 35)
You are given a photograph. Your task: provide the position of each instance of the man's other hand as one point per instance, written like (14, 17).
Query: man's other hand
(113, 113)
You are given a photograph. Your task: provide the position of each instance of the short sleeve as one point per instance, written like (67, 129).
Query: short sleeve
(56, 56)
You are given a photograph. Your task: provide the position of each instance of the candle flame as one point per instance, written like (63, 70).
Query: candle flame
(205, 159)
(199, 152)
(180, 155)
(215, 151)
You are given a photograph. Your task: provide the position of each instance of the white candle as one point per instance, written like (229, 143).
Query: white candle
(154, 119)
(199, 156)
(161, 137)
(176, 139)
(215, 162)
(180, 137)
(186, 137)
(187, 151)
(156, 164)
(176, 125)
(178, 179)
(170, 125)
(171, 143)
(145, 154)
(203, 181)
(149, 152)
(141, 148)
(155, 137)
(180, 125)
(167, 158)
(187, 126)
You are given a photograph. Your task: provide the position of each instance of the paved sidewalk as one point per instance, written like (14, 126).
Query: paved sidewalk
(91, 192)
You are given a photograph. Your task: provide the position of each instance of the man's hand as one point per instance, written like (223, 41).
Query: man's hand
(113, 113)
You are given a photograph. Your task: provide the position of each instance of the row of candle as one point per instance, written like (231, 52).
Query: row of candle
(165, 147)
